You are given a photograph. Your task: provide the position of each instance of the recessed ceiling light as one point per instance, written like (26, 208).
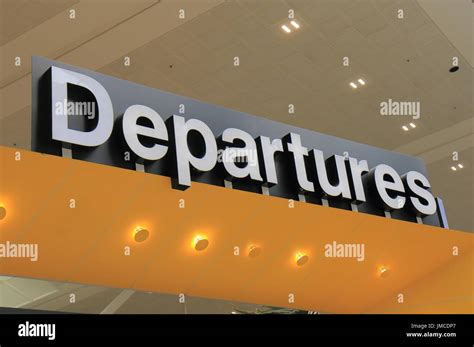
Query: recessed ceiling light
(254, 251)
(453, 168)
(200, 243)
(413, 125)
(361, 81)
(301, 258)
(286, 29)
(384, 271)
(460, 166)
(140, 234)
(295, 25)
(405, 128)
(353, 85)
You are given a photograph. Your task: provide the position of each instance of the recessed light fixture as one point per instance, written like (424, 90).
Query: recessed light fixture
(140, 234)
(200, 243)
(384, 271)
(286, 29)
(453, 168)
(295, 24)
(460, 166)
(406, 128)
(254, 251)
(360, 81)
(3, 212)
(301, 258)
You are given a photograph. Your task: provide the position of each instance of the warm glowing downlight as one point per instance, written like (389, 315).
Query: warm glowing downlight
(140, 234)
(3, 212)
(286, 29)
(384, 271)
(254, 251)
(301, 258)
(200, 243)
(295, 24)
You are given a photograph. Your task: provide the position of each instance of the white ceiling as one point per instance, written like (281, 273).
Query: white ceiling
(450, 17)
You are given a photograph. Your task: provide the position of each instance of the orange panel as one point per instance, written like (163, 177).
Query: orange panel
(86, 244)
(449, 289)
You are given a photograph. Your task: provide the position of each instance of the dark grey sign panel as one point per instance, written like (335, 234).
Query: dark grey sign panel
(124, 94)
